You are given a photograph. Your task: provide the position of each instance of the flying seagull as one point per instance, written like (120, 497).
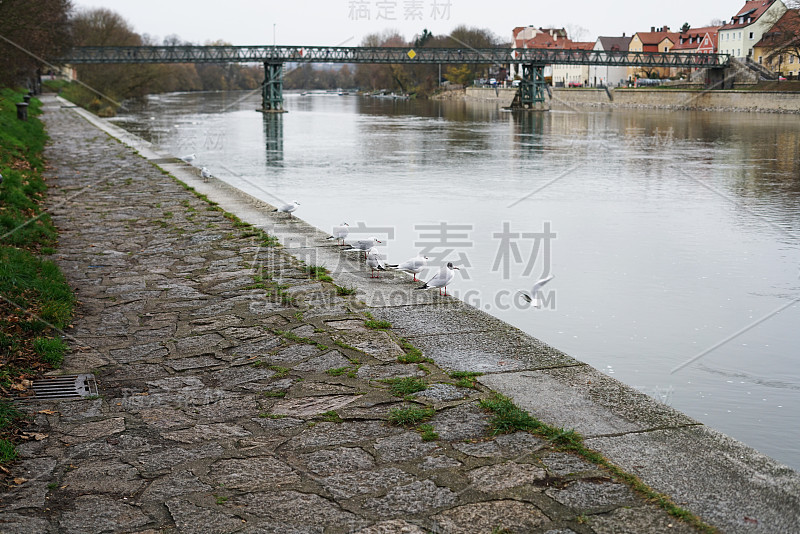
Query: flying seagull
(340, 233)
(190, 158)
(205, 174)
(288, 208)
(441, 279)
(414, 266)
(533, 296)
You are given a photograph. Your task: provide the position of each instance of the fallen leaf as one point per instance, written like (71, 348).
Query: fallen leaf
(20, 480)
(48, 412)
(38, 436)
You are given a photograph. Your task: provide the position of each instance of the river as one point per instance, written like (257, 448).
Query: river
(673, 236)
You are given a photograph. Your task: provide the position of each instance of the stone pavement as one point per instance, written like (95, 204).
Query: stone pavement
(239, 395)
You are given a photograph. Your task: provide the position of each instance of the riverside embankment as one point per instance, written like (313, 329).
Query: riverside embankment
(238, 393)
(640, 98)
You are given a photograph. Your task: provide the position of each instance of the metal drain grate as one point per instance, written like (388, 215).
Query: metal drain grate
(65, 387)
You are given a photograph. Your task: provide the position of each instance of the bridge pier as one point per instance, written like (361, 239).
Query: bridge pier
(272, 88)
(532, 88)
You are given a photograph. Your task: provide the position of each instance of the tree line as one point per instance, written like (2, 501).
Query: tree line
(48, 28)
(418, 79)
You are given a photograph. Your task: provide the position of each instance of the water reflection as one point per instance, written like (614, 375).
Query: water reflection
(273, 137)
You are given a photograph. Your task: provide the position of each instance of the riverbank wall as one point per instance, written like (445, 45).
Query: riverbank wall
(727, 483)
(640, 98)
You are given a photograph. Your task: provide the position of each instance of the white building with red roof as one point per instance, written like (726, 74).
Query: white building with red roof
(740, 34)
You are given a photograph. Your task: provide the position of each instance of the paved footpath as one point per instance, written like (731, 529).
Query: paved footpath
(233, 399)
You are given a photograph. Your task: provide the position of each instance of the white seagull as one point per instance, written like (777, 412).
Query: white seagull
(414, 266)
(441, 279)
(205, 174)
(533, 296)
(340, 233)
(190, 158)
(288, 208)
(375, 262)
(363, 245)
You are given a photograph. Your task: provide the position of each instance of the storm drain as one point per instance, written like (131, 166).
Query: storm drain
(65, 387)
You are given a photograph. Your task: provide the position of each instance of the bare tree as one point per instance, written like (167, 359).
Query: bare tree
(40, 29)
(783, 39)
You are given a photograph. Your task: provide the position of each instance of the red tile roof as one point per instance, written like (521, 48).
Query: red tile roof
(786, 30)
(752, 10)
(693, 39)
(654, 38)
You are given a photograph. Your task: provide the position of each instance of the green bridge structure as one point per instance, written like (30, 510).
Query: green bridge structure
(532, 87)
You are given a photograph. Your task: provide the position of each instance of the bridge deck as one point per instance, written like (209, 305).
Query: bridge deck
(386, 55)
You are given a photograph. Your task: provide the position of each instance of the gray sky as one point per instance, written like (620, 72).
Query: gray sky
(332, 22)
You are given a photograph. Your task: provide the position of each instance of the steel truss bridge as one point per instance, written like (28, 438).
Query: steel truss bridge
(533, 60)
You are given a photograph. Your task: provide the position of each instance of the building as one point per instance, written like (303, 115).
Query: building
(606, 75)
(745, 29)
(575, 75)
(656, 40)
(697, 41)
(779, 48)
(532, 37)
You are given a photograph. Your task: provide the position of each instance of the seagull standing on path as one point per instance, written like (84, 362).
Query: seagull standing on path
(288, 208)
(205, 174)
(376, 263)
(340, 233)
(363, 245)
(533, 296)
(190, 158)
(441, 279)
(414, 266)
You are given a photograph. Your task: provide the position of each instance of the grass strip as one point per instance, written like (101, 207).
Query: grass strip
(507, 418)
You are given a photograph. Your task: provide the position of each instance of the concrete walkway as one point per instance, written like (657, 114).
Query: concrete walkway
(238, 395)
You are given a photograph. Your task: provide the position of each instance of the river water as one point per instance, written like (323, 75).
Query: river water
(674, 237)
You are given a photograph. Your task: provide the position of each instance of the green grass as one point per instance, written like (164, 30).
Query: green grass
(428, 433)
(9, 414)
(412, 353)
(37, 301)
(291, 336)
(338, 371)
(466, 379)
(345, 291)
(331, 417)
(507, 418)
(280, 372)
(319, 273)
(275, 394)
(410, 415)
(400, 387)
(8, 452)
(50, 350)
(377, 325)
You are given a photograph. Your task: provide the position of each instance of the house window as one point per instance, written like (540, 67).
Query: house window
(760, 60)
(738, 52)
(751, 35)
(791, 59)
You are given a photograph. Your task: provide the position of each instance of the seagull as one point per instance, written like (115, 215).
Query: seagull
(441, 279)
(533, 296)
(376, 263)
(205, 174)
(190, 158)
(340, 233)
(363, 245)
(288, 208)
(414, 266)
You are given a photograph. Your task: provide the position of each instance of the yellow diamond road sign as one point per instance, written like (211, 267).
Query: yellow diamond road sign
(412, 54)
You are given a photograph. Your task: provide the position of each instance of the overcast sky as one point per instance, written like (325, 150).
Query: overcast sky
(334, 22)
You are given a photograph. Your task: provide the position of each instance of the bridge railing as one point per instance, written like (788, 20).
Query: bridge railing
(385, 55)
